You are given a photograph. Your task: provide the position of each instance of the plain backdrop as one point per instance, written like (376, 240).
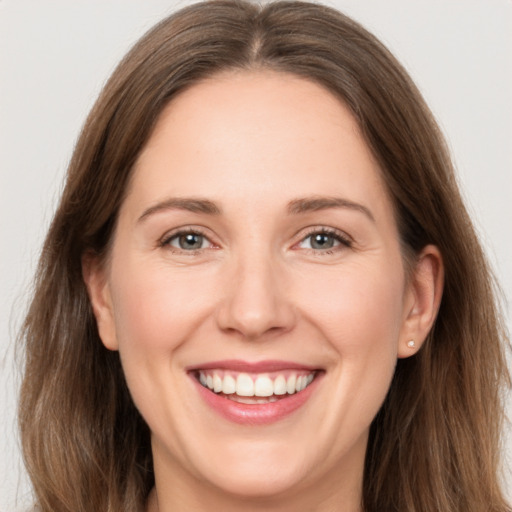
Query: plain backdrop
(55, 56)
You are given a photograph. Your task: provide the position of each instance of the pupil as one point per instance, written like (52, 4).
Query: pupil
(191, 241)
(322, 241)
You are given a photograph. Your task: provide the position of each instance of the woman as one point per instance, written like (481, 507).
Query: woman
(261, 290)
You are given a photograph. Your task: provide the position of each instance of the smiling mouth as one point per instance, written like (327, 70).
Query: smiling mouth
(255, 388)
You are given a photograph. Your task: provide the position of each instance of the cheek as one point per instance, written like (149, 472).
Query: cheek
(156, 312)
(359, 312)
(156, 309)
(360, 315)
(357, 308)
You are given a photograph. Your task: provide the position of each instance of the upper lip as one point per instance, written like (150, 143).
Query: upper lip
(238, 365)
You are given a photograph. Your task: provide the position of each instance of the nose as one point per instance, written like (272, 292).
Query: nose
(254, 302)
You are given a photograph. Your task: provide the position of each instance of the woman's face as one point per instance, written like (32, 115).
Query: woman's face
(256, 253)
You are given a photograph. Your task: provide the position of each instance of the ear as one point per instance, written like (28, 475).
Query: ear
(95, 278)
(422, 300)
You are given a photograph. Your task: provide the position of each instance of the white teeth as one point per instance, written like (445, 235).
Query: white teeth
(244, 385)
(303, 382)
(290, 384)
(263, 386)
(217, 383)
(253, 400)
(280, 386)
(228, 385)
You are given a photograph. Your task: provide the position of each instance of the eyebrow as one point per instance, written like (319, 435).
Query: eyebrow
(190, 204)
(316, 203)
(296, 206)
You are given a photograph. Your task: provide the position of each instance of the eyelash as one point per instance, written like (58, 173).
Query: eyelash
(338, 236)
(165, 242)
(344, 240)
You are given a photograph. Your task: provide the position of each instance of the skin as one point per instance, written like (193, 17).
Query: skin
(251, 143)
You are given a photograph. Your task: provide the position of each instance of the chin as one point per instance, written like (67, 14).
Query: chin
(252, 468)
(258, 483)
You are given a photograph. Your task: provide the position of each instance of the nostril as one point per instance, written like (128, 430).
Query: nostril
(254, 300)
(253, 320)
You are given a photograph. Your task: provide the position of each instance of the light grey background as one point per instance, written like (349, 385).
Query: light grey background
(55, 56)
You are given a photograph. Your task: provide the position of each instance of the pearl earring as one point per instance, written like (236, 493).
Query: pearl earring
(411, 344)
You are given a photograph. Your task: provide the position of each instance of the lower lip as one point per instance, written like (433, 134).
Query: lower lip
(256, 414)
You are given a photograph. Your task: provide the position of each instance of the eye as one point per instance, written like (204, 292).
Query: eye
(187, 241)
(323, 240)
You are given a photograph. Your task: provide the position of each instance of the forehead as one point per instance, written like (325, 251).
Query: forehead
(254, 135)
(257, 107)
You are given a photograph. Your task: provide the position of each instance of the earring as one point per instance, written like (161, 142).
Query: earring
(411, 344)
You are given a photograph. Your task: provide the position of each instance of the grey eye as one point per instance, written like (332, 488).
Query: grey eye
(319, 241)
(322, 241)
(188, 241)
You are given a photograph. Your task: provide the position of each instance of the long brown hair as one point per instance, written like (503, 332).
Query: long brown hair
(434, 445)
